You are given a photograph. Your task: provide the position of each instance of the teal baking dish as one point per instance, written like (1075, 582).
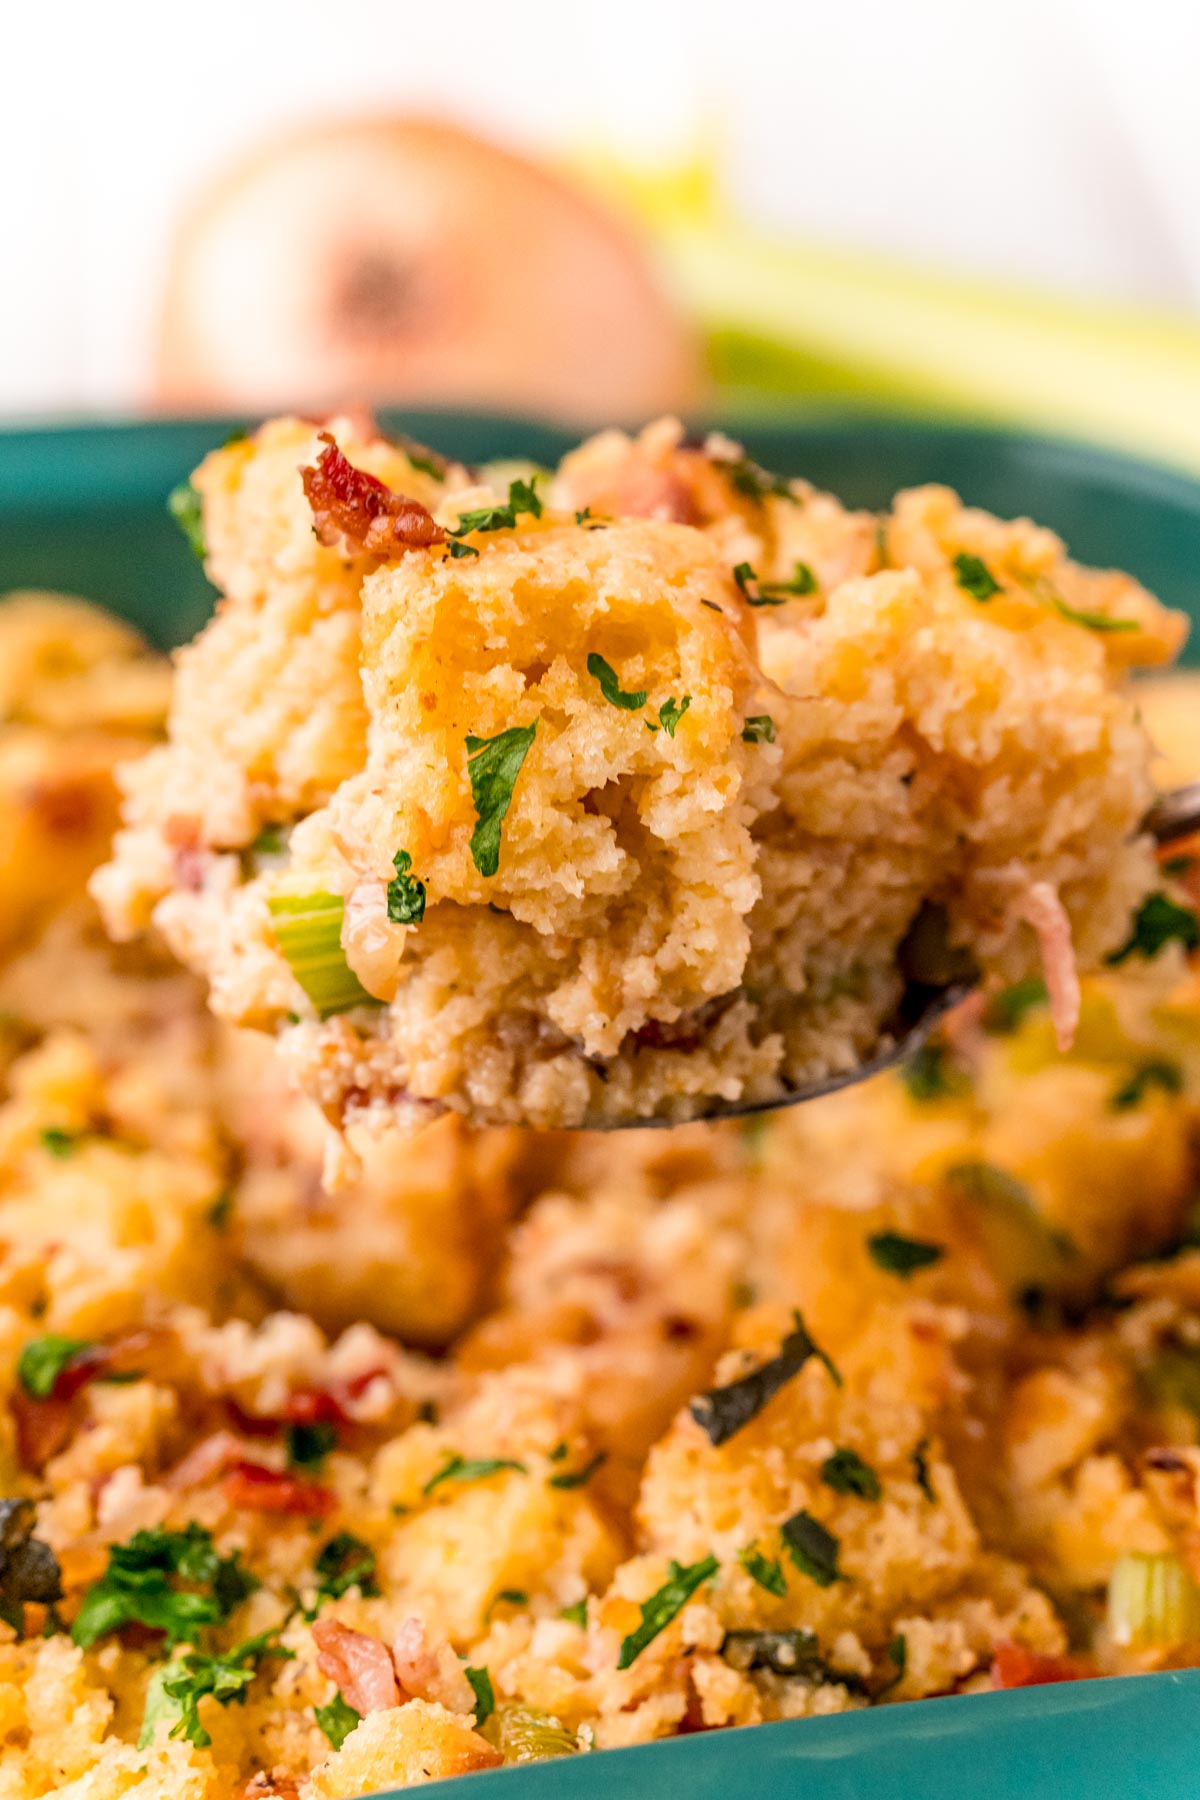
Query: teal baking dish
(81, 509)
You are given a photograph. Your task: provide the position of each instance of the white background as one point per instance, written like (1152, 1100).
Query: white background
(1052, 141)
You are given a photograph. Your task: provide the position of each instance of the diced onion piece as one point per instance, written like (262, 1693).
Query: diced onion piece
(524, 1734)
(1153, 1603)
(373, 944)
(308, 930)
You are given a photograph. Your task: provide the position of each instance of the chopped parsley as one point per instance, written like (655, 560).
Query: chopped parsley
(176, 1689)
(1156, 1073)
(670, 713)
(422, 458)
(337, 1720)
(481, 1687)
(785, 1653)
(902, 1256)
(759, 728)
(522, 498)
(974, 577)
(898, 1657)
(405, 894)
(723, 1411)
(42, 1361)
(610, 685)
(458, 549)
(272, 840)
(753, 481)
(1005, 1010)
(574, 1478)
(493, 765)
(921, 1470)
(813, 1549)
(663, 1605)
(461, 1468)
(507, 1597)
(221, 1210)
(187, 509)
(1158, 922)
(29, 1571)
(309, 1445)
(934, 1074)
(345, 1562)
(763, 1570)
(846, 1473)
(60, 1143)
(136, 1588)
(576, 1614)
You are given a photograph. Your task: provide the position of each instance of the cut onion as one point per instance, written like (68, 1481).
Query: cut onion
(373, 945)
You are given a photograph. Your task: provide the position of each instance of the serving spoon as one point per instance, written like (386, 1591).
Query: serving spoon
(937, 978)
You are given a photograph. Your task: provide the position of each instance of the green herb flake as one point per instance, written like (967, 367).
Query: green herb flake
(343, 1563)
(903, 1256)
(177, 1688)
(752, 481)
(136, 1588)
(610, 685)
(57, 1142)
(1006, 1010)
(664, 1604)
(897, 1652)
(1159, 922)
(309, 1445)
(405, 894)
(670, 713)
(1178, 866)
(337, 1720)
(1093, 621)
(42, 1361)
(187, 509)
(846, 1473)
(812, 1548)
(575, 1478)
(1156, 1073)
(506, 1597)
(493, 765)
(762, 1569)
(789, 1654)
(481, 1687)
(458, 550)
(576, 1614)
(974, 577)
(221, 1211)
(725, 1410)
(759, 728)
(921, 1473)
(934, 1073)
(522, 498)
(462, 1468)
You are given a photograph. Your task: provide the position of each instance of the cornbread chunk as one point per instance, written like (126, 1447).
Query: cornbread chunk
(624, 793)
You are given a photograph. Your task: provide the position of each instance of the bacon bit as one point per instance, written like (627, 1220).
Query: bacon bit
(250, 1487)
(350, 504)
(649, 493)
(270, 1787)
(1041, 907)
(44, 1427)
(211, 1456)
(360, 1665)
(1015, 1667)
(126, 1355)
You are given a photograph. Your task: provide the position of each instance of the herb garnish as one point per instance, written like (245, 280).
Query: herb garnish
(898, 1657)
(664, 1604)
(670, 713)
(221, 1211)
(1005, 1010)
(1093, 620)
(493, 765)
(522, 498)
(506, 1597)
(576, 1613)
(187, 509)
(759, 728)
(813, 1549)
(1156, 923)
(309, 1445)
(461, 1468)
(934, 1074)
(405, 894)
(60, 1143)
(42, 1361)
(29, 1571)
(1155, 1073)
(773, 593)
(846, 1473)
(785, 1653)
(345, 1562)
(610, 685)
(177, 1688)
(902, 1256)
(723, 1411)
(755, 482)
(481, 1687)
(921, 1470)
(573, 1478)
(974, 577)
(135, 1589)
(763, 1570)
(337, 1719)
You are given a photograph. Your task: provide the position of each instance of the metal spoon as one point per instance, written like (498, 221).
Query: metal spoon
(937, 978)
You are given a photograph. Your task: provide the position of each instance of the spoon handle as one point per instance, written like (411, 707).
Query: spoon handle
(1174, 815)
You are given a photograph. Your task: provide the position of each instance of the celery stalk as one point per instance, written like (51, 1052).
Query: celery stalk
(1153, 1603)
(308, 930)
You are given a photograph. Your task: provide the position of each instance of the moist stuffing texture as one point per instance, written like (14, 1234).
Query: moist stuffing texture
(618, 790)
(532, 1444)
